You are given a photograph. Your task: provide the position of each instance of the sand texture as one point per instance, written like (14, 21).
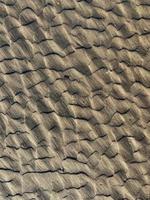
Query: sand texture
(74, 99)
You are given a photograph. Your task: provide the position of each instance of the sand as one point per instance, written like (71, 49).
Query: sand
(74, 99)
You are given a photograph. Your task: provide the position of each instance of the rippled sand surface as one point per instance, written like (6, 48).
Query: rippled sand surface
(74, 99)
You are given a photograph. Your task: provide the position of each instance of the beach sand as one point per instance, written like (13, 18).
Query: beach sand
(74, 99)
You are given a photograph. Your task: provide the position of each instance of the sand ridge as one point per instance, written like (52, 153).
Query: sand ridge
(74, 99)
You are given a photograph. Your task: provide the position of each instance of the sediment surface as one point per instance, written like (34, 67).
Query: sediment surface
(74, 99)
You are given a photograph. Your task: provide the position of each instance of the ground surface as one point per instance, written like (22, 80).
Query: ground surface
(74, 99)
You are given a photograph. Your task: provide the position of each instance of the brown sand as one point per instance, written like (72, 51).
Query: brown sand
(74, 99)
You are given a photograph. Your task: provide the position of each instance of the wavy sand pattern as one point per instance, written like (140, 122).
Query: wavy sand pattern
(74, 99)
